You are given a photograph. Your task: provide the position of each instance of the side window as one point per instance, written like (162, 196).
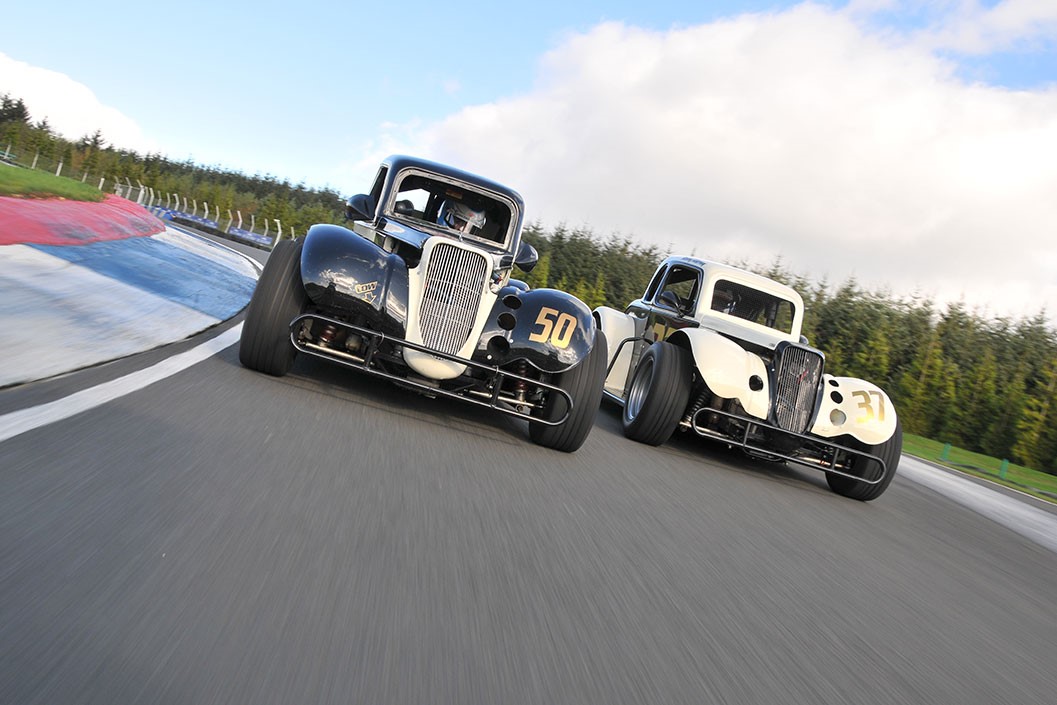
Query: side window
(680, 289)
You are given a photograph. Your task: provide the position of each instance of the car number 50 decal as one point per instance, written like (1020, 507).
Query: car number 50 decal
(556, 327)
(867, 406)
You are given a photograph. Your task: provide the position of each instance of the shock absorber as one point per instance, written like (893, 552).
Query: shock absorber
(519, 386)
(326, 336)
(699, 401)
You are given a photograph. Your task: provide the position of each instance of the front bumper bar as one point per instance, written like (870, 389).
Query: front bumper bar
(829, 452)
(490, 398)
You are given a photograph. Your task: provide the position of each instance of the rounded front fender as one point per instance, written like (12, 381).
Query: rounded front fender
(857, 408)
(550, 329)
(344, 272)
(730, 371)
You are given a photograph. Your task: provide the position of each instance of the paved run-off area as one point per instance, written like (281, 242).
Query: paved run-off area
(84, 283)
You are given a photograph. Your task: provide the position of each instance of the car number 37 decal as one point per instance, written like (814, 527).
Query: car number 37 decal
(555, 327)
(867, 405)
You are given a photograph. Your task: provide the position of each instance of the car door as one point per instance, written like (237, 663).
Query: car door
(667, 306)
(674, 302)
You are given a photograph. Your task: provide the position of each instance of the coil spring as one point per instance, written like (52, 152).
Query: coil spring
(326, 336)
(699, 401)
(519, 385)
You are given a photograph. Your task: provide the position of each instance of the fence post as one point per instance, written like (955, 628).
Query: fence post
(265, 227)
(35, 158)
(1002, 470)
(239, 226)
(84, 178)
(946, 454)
(253, 220)
(230, 218)
(58, 169)
(101, 180)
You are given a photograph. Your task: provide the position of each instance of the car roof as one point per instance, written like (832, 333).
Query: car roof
(398, 162)
(738, 274)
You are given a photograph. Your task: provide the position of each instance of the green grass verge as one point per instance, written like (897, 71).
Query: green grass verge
(1039, 484)
(15, 181)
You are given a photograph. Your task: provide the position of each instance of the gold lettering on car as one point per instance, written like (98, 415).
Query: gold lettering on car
(555, 327)
(866, 404)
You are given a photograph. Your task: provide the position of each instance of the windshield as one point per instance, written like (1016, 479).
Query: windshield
(453, 207)
(753, 305)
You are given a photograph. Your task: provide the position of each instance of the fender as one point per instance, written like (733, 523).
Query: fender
(618, 326)
(854, 407)
(729, 370)
(342, 270)
(550, 329)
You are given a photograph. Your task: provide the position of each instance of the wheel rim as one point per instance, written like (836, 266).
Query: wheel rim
(640, 387)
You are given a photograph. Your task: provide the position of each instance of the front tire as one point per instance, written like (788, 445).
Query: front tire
(890, 452)
(659, 392)
(584, 384)
(279, 298)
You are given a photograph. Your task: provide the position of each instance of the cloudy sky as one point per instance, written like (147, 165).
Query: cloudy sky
(909, 144)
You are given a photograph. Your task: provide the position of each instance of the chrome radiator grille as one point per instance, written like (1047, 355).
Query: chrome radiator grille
(454, 282)
(797, 377)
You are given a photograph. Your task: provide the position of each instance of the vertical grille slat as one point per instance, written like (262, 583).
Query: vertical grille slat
(797, 378)
(454, 282)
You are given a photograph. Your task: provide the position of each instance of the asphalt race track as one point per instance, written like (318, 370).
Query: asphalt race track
(225, 537)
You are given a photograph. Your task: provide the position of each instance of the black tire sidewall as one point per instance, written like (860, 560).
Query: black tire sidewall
(584, 384)
(278, 298)
(665, 399)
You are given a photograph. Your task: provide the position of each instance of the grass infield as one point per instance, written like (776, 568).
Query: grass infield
(28, 183)
(1039, 484)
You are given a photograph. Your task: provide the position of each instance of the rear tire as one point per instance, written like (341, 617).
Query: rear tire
(584, 385)
(279, 298)
(658, 394)
(890, 452)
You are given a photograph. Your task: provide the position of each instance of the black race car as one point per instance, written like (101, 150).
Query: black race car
(419, 292)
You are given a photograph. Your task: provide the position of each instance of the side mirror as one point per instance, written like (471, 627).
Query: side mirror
(359, 207)
(669, 299)
(527, 257)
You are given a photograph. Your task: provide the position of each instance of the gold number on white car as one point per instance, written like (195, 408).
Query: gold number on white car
(867, 405)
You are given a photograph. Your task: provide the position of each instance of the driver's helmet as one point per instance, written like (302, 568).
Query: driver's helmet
(460, 217)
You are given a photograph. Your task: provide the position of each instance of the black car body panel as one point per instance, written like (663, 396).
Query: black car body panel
(343, 272)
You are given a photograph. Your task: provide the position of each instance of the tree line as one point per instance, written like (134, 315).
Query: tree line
(262, 197)
(988, 384)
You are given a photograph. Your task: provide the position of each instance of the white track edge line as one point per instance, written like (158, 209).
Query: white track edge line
(22, 421)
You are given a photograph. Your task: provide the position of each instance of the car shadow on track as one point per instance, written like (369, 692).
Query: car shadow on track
(718, 456)
(384, 397)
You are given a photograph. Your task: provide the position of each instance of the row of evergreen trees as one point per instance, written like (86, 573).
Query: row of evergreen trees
(982, 383)
(263, 197)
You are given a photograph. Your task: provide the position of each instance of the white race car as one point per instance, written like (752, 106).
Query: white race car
(717, 350)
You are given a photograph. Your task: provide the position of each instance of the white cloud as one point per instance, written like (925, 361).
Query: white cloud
(1010, 25)
(71, 108)
(797, 134)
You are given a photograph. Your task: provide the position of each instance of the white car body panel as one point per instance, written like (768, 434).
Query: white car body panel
(617, 326)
